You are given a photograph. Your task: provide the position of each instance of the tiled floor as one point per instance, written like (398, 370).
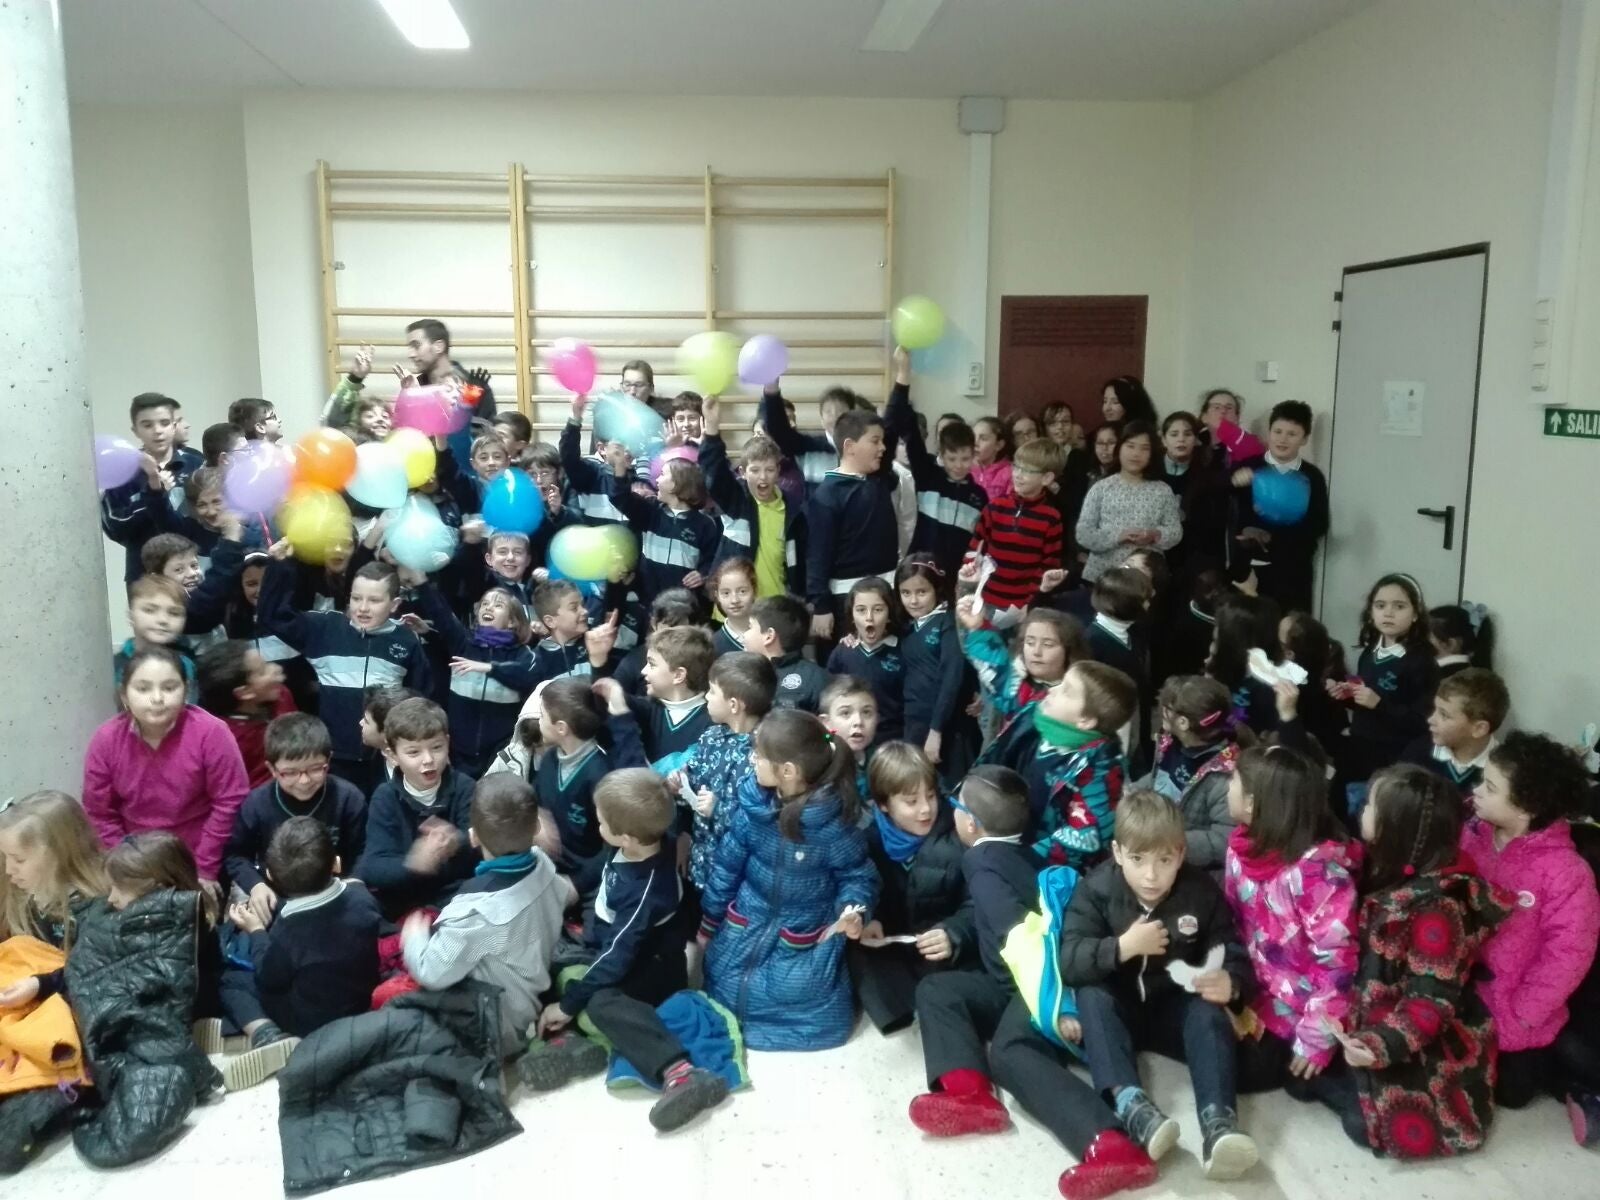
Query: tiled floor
(828, 1126)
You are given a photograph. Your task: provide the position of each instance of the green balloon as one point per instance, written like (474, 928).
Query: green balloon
(918, 322)
(581, 552)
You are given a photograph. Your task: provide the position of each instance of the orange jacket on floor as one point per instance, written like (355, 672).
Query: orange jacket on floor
(39, 1045)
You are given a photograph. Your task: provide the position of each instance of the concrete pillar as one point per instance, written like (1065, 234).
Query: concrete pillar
(55, 641)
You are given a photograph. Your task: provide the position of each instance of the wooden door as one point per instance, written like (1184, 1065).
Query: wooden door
(1065, 348)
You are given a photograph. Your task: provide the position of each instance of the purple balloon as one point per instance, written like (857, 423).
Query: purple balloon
(116, 461)
(763, 359)
(257, 478)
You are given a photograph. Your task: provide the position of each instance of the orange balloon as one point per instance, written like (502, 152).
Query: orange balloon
(326, 458)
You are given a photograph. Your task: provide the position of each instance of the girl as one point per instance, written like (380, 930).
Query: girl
(938, 682)
(373, 419)
(1306, 643)
(54, 862)
(1395, 679)
(1520, 840)
(1049, 642)
(1418, 1038)
(1020, 427)
(914, 848)
(143, 863)
(1131, 508)
(733, 587)
(991, 465)
(1060, 426)
(1290, 876)
(1124, 399)
(1195, 759)
(240, 686)
(791, 871)
(241, 623)
(872, 653)
(165, 764)
(1462, 637)
(677, 539)
(1244, 646)
(1202, 494)
(1231, 446)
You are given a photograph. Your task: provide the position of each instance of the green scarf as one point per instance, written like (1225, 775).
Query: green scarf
(1059, 733)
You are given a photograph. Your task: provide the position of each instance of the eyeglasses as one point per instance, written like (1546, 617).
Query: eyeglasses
(955, 803)
(315, 772)
(637, 385)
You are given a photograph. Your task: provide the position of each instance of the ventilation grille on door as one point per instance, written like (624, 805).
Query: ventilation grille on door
(1091, 321)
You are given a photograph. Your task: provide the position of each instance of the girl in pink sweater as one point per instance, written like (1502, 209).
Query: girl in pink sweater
(1290, 875)
(991, 465)
(1520, 841)
(164, 764)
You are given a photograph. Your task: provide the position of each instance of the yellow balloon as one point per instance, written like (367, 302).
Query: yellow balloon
(711, 360)
(622, 551)
(918, 322)
(416, 452)
(316, 521)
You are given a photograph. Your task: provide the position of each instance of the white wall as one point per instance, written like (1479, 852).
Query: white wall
(164, 234)
(1413, 126)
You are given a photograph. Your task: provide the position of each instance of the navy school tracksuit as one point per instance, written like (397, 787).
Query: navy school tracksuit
(129, 514)
(671, 544)
(589, 479)
(947, 509)
(741, 522)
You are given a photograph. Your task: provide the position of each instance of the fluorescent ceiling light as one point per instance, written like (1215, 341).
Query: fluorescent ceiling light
(900, 24)
(427, 24)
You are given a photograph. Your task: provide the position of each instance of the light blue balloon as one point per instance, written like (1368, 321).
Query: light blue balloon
(620, 418)
(418, 538)
(512, 503)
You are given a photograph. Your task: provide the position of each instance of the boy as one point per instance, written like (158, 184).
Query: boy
(688, 417)
(571, 648)
(128, 514)
(501, 927)
(416, 853)
(949, 500)
(740, 694)
(850, 711)
(757, 522)
(247, 692)
(1065, 746)
(636, 935)
(1121, 600)
(1021, 534)
(777, 631)
(1126, 923)
(570, 719)
(589, 478)
(671, 609)
(156, 613)
(317, 963)
(502, 562)
(219, 443)
(672, 716)
(297, 751)
(815, 454)
(1468, 709)
(256, 419)
(515, 430)
(1284, 555)
(350, 651)
(852, 530)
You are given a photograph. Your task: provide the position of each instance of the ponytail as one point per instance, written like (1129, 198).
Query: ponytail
(826, 761)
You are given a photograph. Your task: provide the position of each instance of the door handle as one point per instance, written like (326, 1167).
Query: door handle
(1447, 514)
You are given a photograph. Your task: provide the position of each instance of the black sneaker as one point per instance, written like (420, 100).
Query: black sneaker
(1227, 1152)
(559, 1061)
(1152, 1129)
(687, 1097)
(1583, 1110)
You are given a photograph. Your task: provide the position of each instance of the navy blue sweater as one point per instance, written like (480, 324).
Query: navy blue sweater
(1003, 881)
(1405, 687)
(938, 680)
(635, 929)
(814, 453)
(883, 668)
(800, 683)
(394, 822)
(588, 481)
(346, 659)
(567, 792)
(339, 805)
(665, 743)
(671, 544)
(947, 509)
(549, 659)
(318, 961)
(130, 515)
(741, 522)
(483, 711)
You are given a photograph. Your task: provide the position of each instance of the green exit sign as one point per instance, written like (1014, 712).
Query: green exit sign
(1572, 423)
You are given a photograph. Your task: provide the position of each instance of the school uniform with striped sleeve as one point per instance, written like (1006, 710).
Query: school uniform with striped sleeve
(672, 543)
(1024, 539)
(947, 509)
(589, 478)
(741, 521)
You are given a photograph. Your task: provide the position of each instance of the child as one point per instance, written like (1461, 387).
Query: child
(54, 862)
(688, 417)
(1131, 508)
(1306, 643)
(590, 478)
(1050, 642)
(991, 466)
(814, 454)
(316, 963)
(740, 695)
(777, 631)
(733, 587)
(156, 614)
(849, 711)
(1195, 759)
(949, 500)
(1290, 876)
(913, 844)
(297, 752)
(247, 692)
(501, 926)
(416, 853)
(258, 420)
(1126, 923)
(872, 652)
(515, 430)
(636, 937)
(1462, 637)
(791, 870)
(1467, 710)
(1418, 1029)
(1066, 749)
(1396, 678)
(938, 681)
(1244, 648)
(851, 529)
(350, 651)
(671, 609)
(1020, 531)
(128, 514)
(758, 522)
(572, 648)
(673, 714)
(506, 559)
(1520, 841)
(1121, 599)
(375, 765)
(566, 775)
(1202, 492)
(677, 538)
(1286, 554)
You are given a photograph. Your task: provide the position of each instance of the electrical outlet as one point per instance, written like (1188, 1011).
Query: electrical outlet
(975, 379)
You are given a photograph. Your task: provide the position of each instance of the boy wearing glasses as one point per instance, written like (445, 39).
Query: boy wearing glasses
(298, 751)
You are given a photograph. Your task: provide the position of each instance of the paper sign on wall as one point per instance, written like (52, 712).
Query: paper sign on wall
(1402, 407)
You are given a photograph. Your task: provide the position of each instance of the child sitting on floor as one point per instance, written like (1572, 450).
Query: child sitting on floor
(1194, 758)
(1467, 710)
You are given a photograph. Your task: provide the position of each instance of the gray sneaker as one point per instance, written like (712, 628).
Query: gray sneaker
(687, 1098)
(1152, 1129)
(556, 1063)
(270, 1049)
(1228, 1152)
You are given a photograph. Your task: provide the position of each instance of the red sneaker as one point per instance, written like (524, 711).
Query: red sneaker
(965, 1103)
(1111, 1164)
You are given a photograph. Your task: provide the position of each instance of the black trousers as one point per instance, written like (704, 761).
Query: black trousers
(886, 980)
(1039, 1074)
(1571, 1063)
(627, 1014)
(959, 1012)
(1263, 1064)
(1336, 1089)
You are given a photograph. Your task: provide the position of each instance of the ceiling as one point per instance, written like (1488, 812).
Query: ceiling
(160, 51)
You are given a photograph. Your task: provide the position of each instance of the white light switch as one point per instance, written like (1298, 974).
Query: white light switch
(1267, 371)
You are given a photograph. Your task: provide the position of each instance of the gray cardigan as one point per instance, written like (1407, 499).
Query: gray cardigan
(1114, 506)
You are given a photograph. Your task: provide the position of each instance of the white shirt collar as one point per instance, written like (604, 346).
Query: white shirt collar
(1117, 629)
(427, 798)
(1015, 839)
(1382, 653)
(926, 617)
(1294, 464)
(1442, 754)
(327, 895)
(1450, 660)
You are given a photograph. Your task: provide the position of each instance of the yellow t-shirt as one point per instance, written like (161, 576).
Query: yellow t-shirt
(771, 571)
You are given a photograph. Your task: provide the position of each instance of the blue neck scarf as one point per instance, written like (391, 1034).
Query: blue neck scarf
(899, 845)
(506, 864)
(486, 635)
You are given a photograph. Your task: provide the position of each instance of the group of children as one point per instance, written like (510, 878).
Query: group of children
(1054, 776)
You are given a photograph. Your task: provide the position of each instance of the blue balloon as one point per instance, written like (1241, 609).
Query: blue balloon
(418, 538)
(512, 503)
(1280, 497)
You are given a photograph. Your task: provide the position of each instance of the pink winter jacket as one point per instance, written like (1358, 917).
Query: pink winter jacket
(995, 479)
(1298, 923)
(1544, 949)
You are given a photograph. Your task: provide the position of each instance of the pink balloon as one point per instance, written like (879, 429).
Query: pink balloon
(257, 478)
(116, 461)
(429, 410)
(572, 364)
(660, 461)
(763, 359)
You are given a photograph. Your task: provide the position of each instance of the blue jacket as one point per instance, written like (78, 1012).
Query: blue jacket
(769, 901)
(741, 521)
